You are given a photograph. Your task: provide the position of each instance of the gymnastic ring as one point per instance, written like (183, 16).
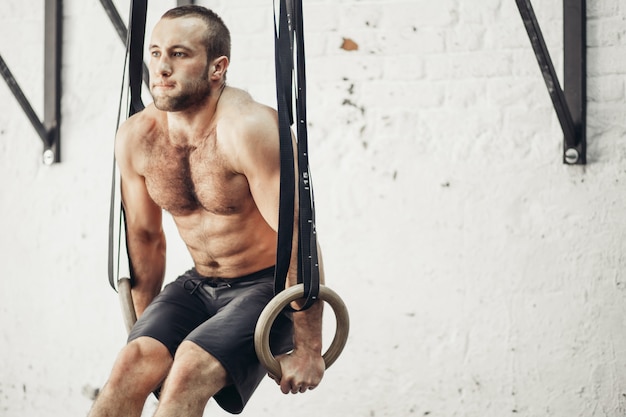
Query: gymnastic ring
(277, 304)
(126, 301)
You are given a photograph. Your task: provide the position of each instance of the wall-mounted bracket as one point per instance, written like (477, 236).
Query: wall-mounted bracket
(48, 130)
(569, 102)
(122, 31)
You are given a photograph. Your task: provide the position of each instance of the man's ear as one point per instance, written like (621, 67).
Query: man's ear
(218, 68)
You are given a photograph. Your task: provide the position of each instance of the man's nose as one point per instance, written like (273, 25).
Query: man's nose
(163, 66)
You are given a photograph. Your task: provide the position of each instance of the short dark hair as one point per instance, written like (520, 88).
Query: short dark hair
(217, 37)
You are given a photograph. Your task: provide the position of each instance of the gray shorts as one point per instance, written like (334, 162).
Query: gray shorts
(219, 315)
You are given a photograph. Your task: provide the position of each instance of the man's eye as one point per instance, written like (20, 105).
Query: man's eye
(155, 54)
(178, 54)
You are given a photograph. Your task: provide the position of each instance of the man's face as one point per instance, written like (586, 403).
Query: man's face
(179, 76)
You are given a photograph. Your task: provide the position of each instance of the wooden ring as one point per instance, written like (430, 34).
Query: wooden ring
(126, 301)
(277, 304)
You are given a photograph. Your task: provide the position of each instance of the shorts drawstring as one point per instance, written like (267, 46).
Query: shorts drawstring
(197, 283)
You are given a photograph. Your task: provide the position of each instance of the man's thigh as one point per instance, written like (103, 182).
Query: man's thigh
(171, 316)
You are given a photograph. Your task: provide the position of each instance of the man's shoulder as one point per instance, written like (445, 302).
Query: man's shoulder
(136, 133)
(241, 104)
(244, 115)
(247, 129)
(142, 123)
(139, 130)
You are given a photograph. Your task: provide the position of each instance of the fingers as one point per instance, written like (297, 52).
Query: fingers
(301, 389)
(300, 372)
(289, 387)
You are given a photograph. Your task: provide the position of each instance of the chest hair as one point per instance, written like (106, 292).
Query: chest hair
(184, 178)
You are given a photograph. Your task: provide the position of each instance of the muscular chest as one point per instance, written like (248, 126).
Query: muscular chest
(184, 179)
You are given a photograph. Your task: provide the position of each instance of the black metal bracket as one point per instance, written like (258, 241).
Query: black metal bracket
(48, 130)
(121, 30)
(570, 103)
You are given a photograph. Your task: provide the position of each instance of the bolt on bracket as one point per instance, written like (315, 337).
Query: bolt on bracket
(569, 102)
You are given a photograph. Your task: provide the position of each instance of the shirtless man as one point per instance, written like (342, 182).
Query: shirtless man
(209, 155)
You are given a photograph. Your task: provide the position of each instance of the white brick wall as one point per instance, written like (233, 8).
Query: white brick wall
(484, 278)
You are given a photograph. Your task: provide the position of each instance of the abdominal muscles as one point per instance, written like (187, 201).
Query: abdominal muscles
(228, 245)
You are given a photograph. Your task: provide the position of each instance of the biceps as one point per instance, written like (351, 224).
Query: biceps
(142, 213)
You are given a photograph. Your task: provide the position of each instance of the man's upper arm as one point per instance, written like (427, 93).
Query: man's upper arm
(259, 160)
(142, 214)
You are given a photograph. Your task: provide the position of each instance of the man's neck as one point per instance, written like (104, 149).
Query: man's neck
(194, 123)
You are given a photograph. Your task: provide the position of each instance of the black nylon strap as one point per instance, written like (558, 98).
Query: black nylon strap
(289, 35)
(134, 55)
(287, 178)
(137, 29)
(308, 235)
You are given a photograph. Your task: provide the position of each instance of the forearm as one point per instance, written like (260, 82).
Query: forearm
(308, 323)
(303, 368)
(307, 328)
(147, 258)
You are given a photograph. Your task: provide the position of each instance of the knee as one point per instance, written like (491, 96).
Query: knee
(141, 365)
(193, 366)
